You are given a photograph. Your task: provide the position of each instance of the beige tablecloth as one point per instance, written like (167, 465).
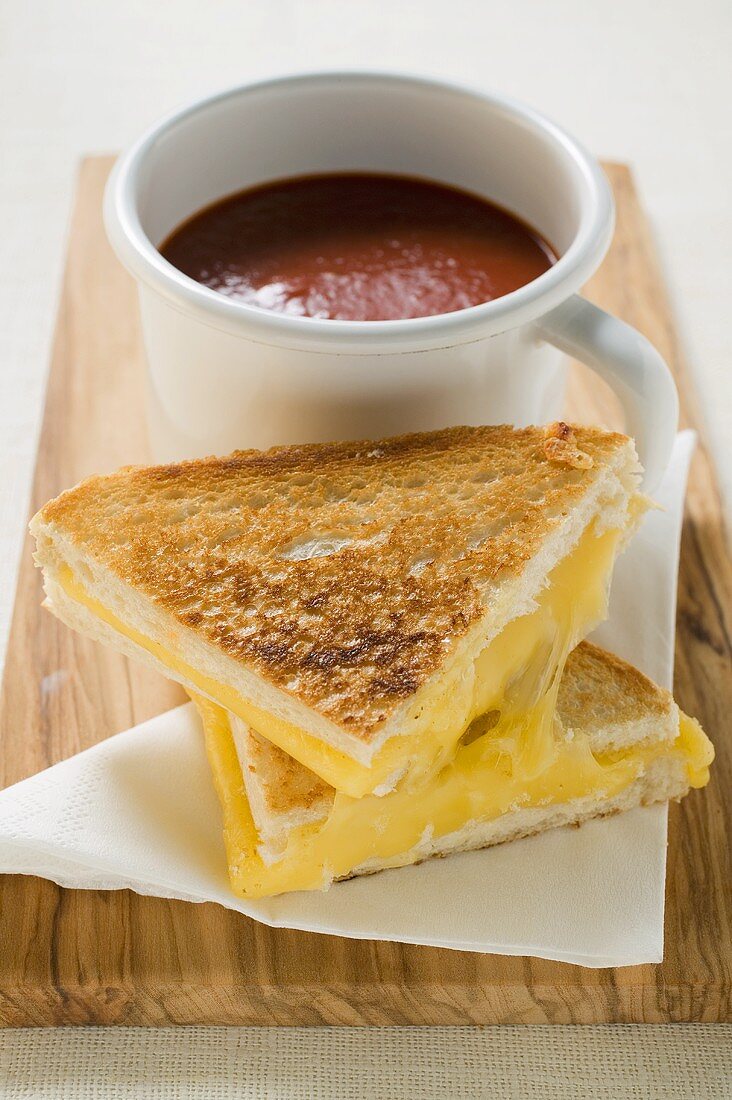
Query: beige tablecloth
(665, 1062)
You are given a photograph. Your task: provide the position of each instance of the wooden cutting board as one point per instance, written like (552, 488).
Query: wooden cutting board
(77, 957)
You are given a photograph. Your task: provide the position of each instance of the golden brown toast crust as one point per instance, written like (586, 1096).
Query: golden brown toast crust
(419, 527)
(598, 689)
(285, 784)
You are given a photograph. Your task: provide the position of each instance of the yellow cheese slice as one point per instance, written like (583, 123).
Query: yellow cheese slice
(486, 778)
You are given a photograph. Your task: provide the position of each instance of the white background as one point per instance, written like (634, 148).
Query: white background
(647, 81)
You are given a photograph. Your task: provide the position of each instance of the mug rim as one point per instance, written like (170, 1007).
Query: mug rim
(141, 256)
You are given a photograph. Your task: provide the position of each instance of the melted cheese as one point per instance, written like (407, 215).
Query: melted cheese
(487, 778)
(517, 672)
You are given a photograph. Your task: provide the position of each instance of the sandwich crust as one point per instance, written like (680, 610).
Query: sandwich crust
(285, 785)
(341, 573)
(602, 695)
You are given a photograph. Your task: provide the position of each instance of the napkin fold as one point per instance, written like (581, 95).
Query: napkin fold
(139, 811)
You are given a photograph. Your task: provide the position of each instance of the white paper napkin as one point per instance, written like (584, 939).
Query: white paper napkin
(139, 811)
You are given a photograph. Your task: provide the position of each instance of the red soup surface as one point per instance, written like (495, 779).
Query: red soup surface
(358, 247)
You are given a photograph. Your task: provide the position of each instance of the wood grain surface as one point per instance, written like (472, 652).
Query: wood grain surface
(78, 957)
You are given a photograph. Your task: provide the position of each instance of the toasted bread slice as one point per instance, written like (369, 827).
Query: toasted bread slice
(330, 593)
(620, 742)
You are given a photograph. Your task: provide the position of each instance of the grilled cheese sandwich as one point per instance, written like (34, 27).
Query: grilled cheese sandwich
(285, 830)
(363, 625)
(382, 639)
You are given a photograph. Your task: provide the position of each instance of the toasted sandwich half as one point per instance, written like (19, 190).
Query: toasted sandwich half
(617, 741)
(359, 604)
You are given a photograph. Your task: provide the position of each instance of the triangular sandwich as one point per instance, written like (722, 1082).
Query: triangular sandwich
(359, 604)
(617, 742)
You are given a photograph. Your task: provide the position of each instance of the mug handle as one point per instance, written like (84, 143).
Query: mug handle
(631, 366)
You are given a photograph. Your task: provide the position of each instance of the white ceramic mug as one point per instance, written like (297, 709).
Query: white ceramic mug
(223, 374)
